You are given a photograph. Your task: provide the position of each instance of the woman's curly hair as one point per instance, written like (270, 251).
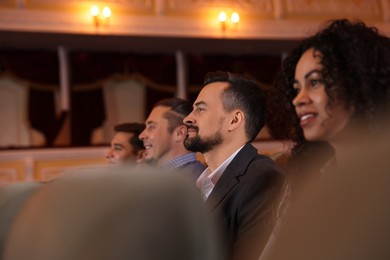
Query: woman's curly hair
(356, 71)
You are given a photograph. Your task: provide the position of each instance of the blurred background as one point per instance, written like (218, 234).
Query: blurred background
(72, 69)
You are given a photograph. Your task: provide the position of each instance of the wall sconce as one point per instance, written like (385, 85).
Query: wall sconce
(228, 23)
(102, 17)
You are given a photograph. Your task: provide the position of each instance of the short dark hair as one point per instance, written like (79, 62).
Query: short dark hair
(179, 109)
(132, 128)
(242, 93)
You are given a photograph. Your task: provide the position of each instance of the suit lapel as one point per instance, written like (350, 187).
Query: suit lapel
(231, 176)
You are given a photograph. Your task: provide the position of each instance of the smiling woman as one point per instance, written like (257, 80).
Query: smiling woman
(336, 87)
(329, 89)
(318, 120)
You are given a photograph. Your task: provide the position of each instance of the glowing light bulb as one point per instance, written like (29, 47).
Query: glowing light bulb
(106, 12)
(235, 17)
(94, 11)
(222, 17)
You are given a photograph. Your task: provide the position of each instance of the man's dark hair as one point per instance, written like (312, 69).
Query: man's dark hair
(132, 128)
(179, 109)
(242, 93)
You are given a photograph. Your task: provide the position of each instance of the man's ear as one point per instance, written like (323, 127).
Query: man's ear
(180, 133)
(236, 120)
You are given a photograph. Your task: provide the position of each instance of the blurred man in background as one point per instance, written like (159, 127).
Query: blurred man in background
(125, 145)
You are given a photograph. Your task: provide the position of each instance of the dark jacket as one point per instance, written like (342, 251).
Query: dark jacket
(242, 203)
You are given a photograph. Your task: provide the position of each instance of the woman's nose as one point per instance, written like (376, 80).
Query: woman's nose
(301, 98)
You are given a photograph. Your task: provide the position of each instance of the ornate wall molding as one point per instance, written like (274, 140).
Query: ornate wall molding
(260, 19)
(66, 5)
(46, 164)
(253, 6)
(11, 171)
(249, 4)
(370, 9)
(131, 3)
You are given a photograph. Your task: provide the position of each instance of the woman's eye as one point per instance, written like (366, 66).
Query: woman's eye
(315, 82)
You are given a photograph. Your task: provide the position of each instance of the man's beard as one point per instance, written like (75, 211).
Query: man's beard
(196, 144)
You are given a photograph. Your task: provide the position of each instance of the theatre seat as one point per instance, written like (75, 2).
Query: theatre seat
(125, 213)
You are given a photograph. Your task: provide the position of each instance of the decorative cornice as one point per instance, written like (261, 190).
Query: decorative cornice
(371, 9)
(282, 23)
(253, 5)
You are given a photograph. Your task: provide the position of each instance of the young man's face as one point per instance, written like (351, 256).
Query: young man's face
(120, 149)
(156, 137)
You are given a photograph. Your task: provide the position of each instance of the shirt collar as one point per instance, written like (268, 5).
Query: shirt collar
(207, 180)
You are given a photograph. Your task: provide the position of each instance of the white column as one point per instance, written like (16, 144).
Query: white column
(181, 75)
(64, 78)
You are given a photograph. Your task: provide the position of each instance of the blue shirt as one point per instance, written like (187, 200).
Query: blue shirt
(188, 162)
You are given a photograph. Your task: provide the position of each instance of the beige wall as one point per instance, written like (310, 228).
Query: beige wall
(260, 19)
(47, 164)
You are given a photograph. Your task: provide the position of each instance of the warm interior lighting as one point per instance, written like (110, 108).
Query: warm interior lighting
(94, 11)
(100, 17)
(235, 18)
(106, 12)
(228, 23)
(222, 17)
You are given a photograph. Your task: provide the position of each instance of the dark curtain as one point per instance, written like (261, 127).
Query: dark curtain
(86, 67)
(87, 114)
(40, 67)
(261, 67)
(88, 105)
(90, 67)
(41, 114)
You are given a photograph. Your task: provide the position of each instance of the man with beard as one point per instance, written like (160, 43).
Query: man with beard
(239, 186)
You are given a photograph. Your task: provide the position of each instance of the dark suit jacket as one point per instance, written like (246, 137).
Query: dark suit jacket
(242, 203)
